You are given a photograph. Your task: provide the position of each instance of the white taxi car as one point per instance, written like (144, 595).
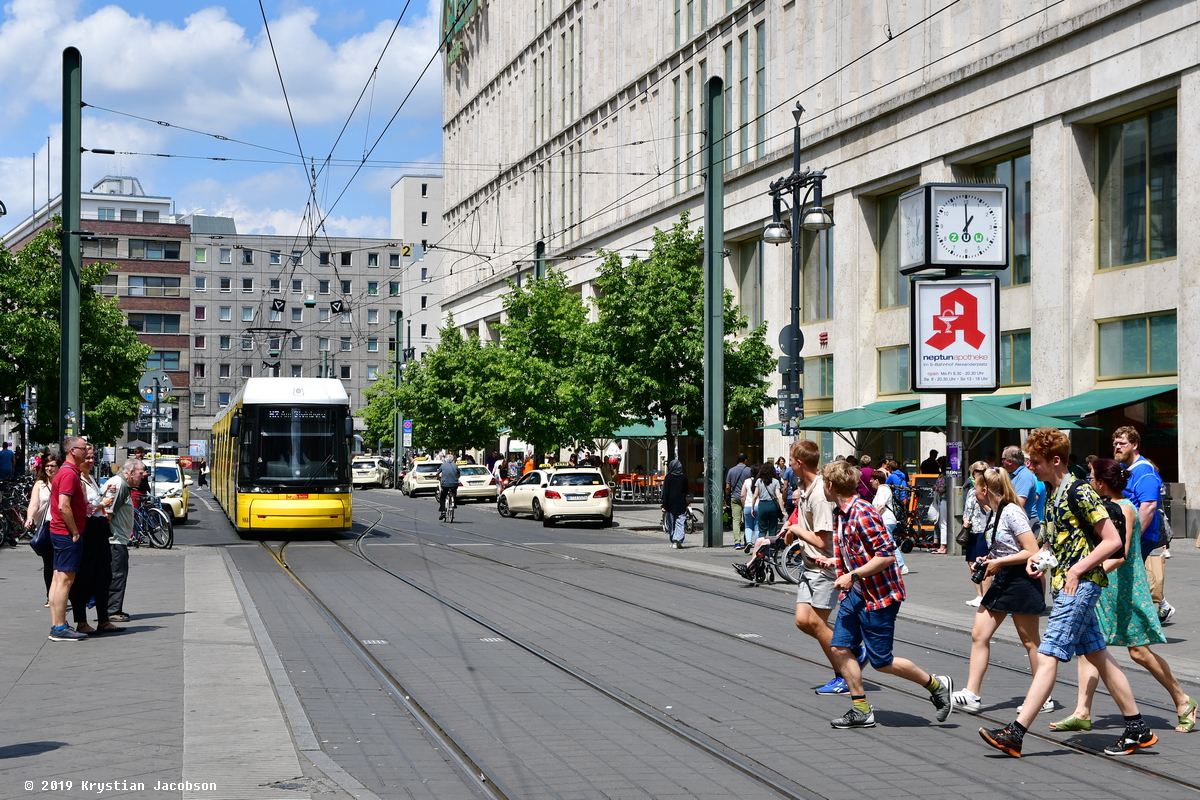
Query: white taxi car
(371, 471)
(558, 495)
(171, 486)
(475, 483)
(423, 477)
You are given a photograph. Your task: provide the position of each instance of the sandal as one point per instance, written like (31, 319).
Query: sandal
(1071, 723)
(1187, 720)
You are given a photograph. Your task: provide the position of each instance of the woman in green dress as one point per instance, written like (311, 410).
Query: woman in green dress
(1128, 616)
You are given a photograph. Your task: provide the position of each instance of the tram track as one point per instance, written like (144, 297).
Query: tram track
(984, 717)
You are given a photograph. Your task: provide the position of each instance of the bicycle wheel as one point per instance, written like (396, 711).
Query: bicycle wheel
(161, 532)
(790, 564)
(450, 509)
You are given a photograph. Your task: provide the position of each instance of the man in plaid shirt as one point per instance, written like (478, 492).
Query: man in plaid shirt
(872, 591)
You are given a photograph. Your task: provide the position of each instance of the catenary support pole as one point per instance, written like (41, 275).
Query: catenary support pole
(68, 376)
(397, 417)
(714, 313)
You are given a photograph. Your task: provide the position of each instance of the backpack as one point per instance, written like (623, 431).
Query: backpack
(1111, 506)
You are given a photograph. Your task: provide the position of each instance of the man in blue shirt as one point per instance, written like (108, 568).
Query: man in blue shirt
(898, 479)
(1025, 483)
(1144, 490)
(6, 462)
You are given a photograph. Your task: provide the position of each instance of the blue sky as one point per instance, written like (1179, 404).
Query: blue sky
(209, 67)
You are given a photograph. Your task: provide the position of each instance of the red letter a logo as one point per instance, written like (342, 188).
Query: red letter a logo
(960, 312)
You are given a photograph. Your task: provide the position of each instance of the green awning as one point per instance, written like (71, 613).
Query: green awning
(851, 419)
(638, 431)
(1009, 400)
(974, 415)
(1099, 399)
(889, 406)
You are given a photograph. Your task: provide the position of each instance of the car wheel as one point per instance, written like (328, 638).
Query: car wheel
(502, 507)
(538, 514)
(606, 523)
(547, 522)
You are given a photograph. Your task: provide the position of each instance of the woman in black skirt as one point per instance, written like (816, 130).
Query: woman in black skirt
(1013, 592)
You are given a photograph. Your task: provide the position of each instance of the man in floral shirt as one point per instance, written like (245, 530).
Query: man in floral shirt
(871, 593)
(1076, 584)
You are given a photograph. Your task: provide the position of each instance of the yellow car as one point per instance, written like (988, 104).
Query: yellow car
(475, 483)
(558, 495)
(423, 477)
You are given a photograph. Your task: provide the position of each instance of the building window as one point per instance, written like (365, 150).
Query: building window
(893, 287)
(424, 301)
(128, 215)
(297, 286)
(394, 289)
(226, 284)
(106, 213)
(322, 344)
(247, 343)
(199, 312)
(818, 377)
(154, 323)
(297, 315)
(393, 259)
(222, 370)
(149, 216)
(424, 217)
(297, 258)
(760, 90)
(198, 369)
(163, 359)
(247, 284)
(1138, 346)
(893, 370)
(744, 97)
(677, 128)
(323, 258)
(345, 371)
(198, 399)
(322, 287)
(200, 254)
(346, 258)
(226, 343)
(225, 313)
(1014, 172)
(817, 255)
(372, 373)
(372, 259)
(226, 255)
(199, 343)
(276, 257)
(200, 283)
(247, 370)
(1137, 184)
(345, 345)
(100, 247)
(372, 288)
(346, 287)
(153, 286)
(223, 399)
(1014, 358)
(424, 273)
(297, 343)
(749, 281)
(424, 328)
(372, 316)
(154, 249)
(275, 316)
(297, 371)
(392, 316)
(247, 256)
(273, 286)
(322, 315)
(424, 190)
(345, 318)
(372, 345)
(247, 313)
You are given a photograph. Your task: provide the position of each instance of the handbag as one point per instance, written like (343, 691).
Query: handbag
(963, 537)
(40, 542)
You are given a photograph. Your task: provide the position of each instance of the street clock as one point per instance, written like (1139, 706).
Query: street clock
(962, 226)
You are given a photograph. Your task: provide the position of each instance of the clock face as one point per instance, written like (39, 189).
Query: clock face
(969, 226)
(912, 228)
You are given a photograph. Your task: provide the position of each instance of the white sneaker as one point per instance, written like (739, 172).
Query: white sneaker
(1165, 612)
(904, 570)
(1046, 706)
(975, 601)
(967, 701)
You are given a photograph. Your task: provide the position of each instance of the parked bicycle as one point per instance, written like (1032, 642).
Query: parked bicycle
(152, 524)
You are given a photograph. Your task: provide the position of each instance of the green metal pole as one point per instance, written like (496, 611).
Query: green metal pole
(68, 375)
(397, 417)
(714, 314)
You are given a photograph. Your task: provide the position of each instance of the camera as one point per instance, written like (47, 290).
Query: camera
(1045, 561)
(978, 571)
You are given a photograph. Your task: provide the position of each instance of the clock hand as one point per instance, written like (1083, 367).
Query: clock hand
(966, 227)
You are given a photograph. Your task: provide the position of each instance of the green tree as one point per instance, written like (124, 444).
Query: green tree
(447, 394)
(550, 367)
(111, 356)
(651, 324)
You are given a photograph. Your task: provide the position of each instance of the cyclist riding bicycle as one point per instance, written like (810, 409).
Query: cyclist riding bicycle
(448, 476)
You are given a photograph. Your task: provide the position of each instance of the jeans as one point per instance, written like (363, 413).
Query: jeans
(751, 525)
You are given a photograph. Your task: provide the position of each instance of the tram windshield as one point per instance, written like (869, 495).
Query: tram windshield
(295, 445)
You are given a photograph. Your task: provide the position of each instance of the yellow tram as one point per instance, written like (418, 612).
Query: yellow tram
(280, 456)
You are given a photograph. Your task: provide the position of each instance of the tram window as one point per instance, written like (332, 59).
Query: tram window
(298, 444)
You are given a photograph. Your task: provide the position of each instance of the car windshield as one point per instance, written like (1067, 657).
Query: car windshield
(428, 468)
(364, 464)
(576, 479)
(165, 474)
(473, 471)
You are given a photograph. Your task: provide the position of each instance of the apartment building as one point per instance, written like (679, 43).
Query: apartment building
(1081, 108)
(416, 219)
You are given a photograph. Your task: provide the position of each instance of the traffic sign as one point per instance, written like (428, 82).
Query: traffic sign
(785, 341)
(152, 378)
(408, 432)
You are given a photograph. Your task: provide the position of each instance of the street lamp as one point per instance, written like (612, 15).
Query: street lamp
(814, 217)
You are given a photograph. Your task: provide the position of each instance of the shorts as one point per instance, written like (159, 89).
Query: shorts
(815, 587)
(875, 629)
(68, 555)
(1073, 629)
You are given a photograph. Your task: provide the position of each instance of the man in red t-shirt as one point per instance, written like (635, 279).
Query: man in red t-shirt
(68, 514)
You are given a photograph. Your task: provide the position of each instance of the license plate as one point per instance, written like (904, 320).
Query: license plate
(577, 497)
(297, 497)
(477, 483)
